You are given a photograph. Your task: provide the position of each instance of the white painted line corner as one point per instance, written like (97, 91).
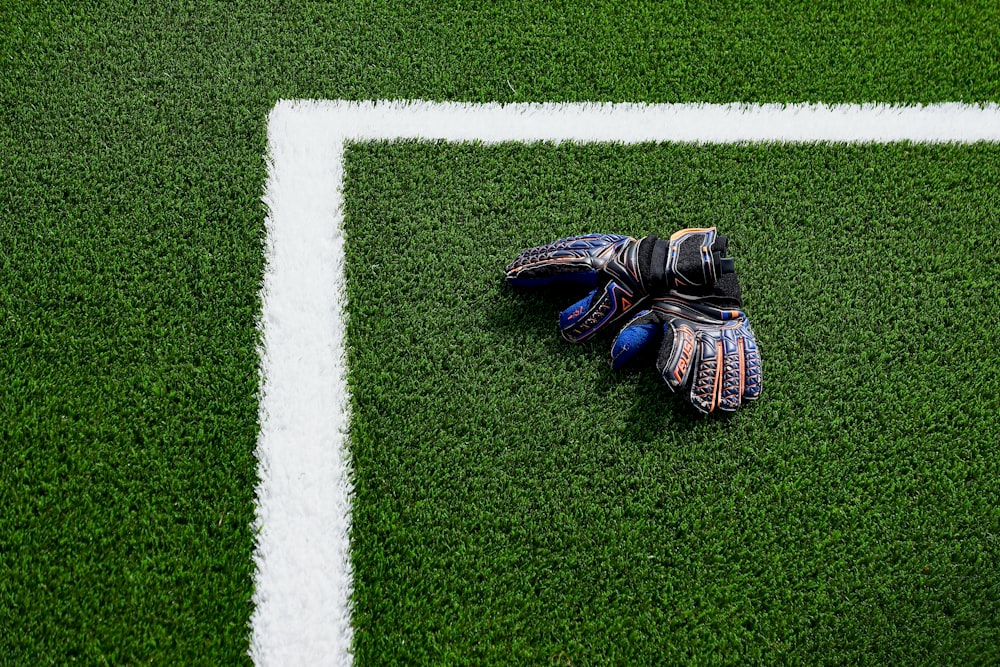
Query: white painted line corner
(303, 581)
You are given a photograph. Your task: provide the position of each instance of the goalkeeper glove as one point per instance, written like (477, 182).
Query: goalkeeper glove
(626, 273)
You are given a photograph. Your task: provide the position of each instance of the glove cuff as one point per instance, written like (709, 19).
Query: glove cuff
(692, 260)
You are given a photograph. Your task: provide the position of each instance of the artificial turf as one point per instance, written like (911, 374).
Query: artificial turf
(519, 502)
(131, 166)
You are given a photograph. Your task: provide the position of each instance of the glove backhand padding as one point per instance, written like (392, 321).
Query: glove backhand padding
(707, 352)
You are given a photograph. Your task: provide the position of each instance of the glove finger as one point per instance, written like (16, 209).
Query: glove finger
(732, 379)
(677, 353)
(575, 260)
(753, 377)
(708, 366)
(641, 333)
(596, 311)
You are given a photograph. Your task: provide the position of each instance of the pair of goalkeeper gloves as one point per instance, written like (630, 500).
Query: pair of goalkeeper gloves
(678, 299)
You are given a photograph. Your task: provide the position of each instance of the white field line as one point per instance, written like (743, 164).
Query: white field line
(303, 568)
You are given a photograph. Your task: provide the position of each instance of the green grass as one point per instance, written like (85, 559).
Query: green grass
(519, 502)
(131, 144)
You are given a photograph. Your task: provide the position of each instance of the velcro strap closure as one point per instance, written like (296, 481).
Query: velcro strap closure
(658, 264)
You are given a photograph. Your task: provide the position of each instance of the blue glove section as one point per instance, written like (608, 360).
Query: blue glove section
(572, 315)
(633, 341)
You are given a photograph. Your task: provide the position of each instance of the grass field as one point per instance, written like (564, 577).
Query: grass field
(529, 502)
(516, 501)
